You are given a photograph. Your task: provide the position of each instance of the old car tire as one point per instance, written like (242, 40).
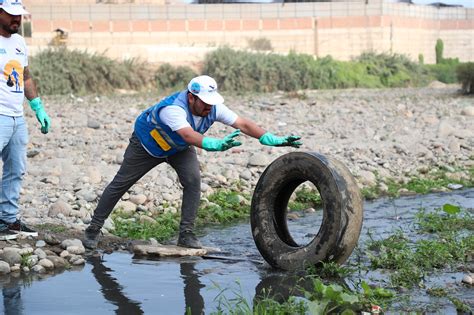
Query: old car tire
(342, 211)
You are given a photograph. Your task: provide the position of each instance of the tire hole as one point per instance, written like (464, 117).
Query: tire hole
(304, 214)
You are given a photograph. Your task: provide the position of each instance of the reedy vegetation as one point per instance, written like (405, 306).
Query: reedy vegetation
(62, 71)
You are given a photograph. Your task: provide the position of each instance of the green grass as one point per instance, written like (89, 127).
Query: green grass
(451, 241)
(305, 198)
(226, 207)
(329, 270)
(165, 227)
(446, 220)
(54, 228)
(446, 242)
(321, 298)
(436, 179)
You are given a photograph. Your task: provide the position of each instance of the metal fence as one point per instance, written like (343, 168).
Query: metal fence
(242, 11)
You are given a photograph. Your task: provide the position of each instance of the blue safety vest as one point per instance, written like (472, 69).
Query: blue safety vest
(156, 137)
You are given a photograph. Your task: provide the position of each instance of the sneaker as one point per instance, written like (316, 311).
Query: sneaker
(188, 239)
(91, 236)
(20, 228)
(6, 234)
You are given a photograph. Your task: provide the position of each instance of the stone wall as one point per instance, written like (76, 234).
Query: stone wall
(183, 34)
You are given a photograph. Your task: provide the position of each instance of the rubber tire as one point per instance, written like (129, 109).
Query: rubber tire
(342, 211)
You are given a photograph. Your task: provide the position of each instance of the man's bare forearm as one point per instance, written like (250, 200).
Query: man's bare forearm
(30, 87)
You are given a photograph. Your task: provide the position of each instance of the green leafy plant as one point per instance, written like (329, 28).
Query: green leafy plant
(305, 198)
(165, 227)
(461, 306)
(445, 221)
(26, 261)
(267, 72)
(330, 270)
(169, 77)
(421, 59)
(439, 47)
(465, 74)
(410, 261)
(227, 206)
(261, 44)
(63, 71)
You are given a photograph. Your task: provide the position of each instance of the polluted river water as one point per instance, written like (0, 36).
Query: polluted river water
(120, 283)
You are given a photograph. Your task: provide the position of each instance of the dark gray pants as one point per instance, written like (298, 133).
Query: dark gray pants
(136, 163)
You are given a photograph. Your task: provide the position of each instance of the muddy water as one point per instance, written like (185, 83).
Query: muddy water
(123, 284)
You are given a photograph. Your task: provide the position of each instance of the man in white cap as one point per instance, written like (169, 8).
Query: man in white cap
(15, 84)
(168, 132)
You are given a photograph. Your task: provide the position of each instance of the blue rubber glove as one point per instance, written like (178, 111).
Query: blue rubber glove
(43, 118)
(274, 141)
(213, 144)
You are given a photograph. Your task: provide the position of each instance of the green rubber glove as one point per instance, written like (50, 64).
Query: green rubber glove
(274, 141)
(213, 144)
(43, 118)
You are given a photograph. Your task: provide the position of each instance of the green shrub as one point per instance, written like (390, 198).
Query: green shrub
(421, 59)
(240, 71)
(393, 70)
(63, 71)
(465, 73)
(170, 77)
(262, 43)
(443, 72)
(439, 47)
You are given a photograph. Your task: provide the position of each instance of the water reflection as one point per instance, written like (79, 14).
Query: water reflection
(192, 287)
(15, 283)
(111, 289)
(12, 303)
(131, 285)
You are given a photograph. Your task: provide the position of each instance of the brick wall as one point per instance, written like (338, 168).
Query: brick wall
(184, 34)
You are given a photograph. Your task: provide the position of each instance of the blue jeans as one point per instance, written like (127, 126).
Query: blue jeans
(13, 140)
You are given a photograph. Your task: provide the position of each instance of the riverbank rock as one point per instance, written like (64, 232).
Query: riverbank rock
(379, 134)
(167, 250)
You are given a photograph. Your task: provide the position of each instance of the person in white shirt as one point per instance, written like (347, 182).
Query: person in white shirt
(168, 132)
(15, 84)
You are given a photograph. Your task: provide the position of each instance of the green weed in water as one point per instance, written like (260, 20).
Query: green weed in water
(321, 299)
(445, 220)
(227, 206)
(410, 261)
(461, 306)
(329, 270)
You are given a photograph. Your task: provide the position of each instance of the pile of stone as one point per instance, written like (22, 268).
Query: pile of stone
(46, 255)
(380, 135)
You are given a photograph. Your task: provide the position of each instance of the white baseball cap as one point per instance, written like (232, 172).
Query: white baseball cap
(13, 7)
(205, 88)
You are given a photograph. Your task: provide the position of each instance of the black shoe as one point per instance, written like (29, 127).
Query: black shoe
(91, 236)
(6, 234)
(20, 228)
(188, 239)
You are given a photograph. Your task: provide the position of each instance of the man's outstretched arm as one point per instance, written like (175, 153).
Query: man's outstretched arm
(207, 143)
(266, 138)
(249, 127)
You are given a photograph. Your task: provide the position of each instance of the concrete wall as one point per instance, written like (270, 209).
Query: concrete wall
(184, 34)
